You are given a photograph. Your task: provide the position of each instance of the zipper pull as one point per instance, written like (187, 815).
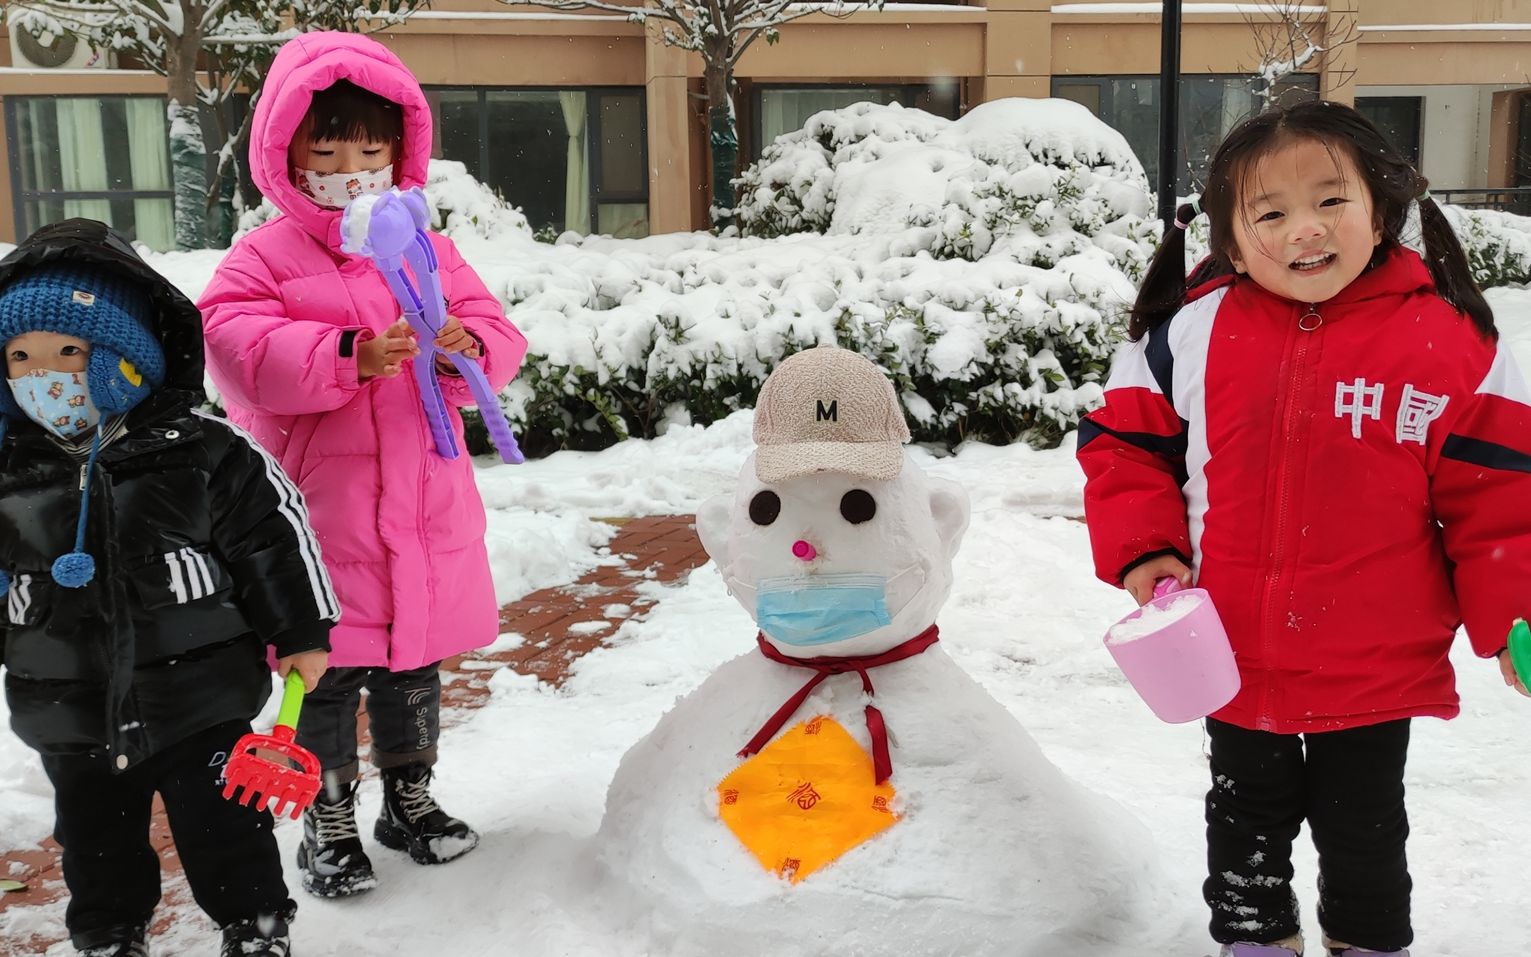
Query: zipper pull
(83, 469)
(1310, 320)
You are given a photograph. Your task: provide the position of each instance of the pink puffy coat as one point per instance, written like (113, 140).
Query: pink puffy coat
(402, 529)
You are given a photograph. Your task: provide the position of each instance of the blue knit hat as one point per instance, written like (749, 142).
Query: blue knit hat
(126, 363)
(102, 307)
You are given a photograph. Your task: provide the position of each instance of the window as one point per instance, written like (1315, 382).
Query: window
(101, 157)
(1522, 161)
(570, 159)
(1210, 106)
(782, 109)
(1398, 119)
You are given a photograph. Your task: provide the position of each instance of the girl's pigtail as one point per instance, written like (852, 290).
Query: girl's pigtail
(1448, 266)
(1163, 290)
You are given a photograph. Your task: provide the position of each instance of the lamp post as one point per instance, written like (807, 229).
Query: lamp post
(1169, 108)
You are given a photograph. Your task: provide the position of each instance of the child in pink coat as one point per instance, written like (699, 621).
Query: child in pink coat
(307, 348)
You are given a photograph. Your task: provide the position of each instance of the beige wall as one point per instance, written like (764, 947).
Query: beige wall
(1504, 131)
(671, 176)
(1005, 48)
(1456, 151)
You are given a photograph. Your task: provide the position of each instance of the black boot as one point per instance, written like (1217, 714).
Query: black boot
(260, 937)
(412, 820)
(134, 943)
(331, 858)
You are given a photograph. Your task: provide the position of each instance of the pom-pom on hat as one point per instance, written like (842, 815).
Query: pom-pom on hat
(107, 310)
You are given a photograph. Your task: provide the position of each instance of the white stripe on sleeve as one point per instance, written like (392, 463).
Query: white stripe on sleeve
(1504, 379)
(290, 506)
(177, 583)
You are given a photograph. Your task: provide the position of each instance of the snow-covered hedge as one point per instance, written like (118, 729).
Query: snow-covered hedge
(1037, 180)
(982, 262)
(1498, 245)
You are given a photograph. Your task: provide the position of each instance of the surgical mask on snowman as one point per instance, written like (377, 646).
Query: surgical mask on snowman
(807, 610)
(336, 190)
(57, 401)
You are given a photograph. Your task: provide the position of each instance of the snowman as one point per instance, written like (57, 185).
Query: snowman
(844, 787)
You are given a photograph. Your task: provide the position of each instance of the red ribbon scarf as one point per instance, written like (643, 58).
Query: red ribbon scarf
(825, 666)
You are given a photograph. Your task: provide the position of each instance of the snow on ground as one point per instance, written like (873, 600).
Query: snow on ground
(1026, 619)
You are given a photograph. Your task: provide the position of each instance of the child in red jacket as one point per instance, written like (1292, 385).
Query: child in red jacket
(1323, 434)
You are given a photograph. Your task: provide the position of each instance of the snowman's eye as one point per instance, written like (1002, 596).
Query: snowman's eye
(857, 506)
(764, 507)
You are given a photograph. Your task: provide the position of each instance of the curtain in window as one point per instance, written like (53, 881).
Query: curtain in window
(82, 152)
(149, 161)
(577, 177)
(622, 220)
(787, 111)
(37, 171)
(1238, 102)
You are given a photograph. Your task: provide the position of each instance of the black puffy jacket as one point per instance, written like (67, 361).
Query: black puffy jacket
(202, 547)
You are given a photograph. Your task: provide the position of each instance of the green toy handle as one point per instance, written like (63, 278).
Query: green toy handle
(292, 700)
(1520, 650)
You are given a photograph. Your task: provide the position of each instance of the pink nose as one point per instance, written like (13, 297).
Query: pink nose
(804, 550)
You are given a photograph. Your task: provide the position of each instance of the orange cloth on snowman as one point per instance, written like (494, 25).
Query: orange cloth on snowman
(805, 799)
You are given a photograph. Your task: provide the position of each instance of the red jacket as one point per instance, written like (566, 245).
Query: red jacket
(1348, 495)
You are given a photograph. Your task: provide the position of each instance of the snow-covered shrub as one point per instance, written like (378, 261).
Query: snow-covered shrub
(464, 206)
(792, 188)
(1498, 245)
(623, 333)
(1037, 209)
(1046, 175)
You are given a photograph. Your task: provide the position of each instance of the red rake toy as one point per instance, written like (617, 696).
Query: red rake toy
(270, 782)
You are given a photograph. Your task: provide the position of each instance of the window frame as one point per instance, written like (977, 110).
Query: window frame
(1103, 83)
(21, 197)
(1418, 146)
(1520, 163)
(594, 95)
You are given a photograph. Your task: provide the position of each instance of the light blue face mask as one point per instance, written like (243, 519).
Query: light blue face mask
(57, 401)
(822, 609)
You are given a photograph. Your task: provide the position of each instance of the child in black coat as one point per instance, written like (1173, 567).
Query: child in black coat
(149, 556)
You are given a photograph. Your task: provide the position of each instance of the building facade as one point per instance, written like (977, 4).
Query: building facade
(589, 122)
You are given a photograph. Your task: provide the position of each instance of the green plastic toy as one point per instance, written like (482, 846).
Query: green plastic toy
(1520, 650)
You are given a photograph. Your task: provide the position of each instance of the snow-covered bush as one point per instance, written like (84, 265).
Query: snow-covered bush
(464, 206)
(982, 262)
(1498, 245)
(1042, 179)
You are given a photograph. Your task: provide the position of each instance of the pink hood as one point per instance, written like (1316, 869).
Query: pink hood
(401, 528)
(305, 65)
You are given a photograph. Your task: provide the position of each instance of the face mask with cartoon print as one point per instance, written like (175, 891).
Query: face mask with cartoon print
(336, 190)
(57, 401)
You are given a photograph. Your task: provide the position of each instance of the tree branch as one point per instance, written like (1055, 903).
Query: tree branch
(637, 14)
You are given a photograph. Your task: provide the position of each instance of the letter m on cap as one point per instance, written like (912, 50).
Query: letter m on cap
(829, 413)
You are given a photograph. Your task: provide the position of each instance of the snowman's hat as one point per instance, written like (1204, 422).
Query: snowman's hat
(828, 409)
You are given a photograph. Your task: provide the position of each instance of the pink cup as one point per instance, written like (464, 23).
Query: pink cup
(1176, 654)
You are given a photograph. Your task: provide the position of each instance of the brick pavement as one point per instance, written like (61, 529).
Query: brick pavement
(558, 624)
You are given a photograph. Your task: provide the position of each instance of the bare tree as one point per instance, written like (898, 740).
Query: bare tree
(1292, 36)
(720, 31)
(207, 51)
